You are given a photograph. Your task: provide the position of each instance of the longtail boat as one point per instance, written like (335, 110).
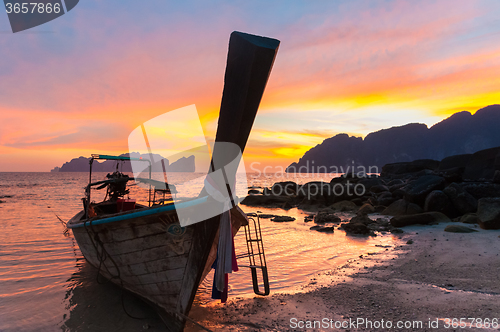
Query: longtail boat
(144, 249)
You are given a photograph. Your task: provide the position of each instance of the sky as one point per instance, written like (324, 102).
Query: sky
(83, 82)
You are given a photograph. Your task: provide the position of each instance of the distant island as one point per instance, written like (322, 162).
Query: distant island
(461, 133)
(81, 164)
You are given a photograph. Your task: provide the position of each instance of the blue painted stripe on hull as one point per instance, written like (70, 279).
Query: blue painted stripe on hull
(143, 213)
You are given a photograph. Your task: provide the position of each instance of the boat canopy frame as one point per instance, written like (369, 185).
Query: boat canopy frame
(109, 157)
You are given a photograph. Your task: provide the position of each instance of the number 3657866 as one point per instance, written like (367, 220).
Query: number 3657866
(32, 7)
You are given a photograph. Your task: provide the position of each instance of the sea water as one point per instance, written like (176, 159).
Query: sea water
(46, 284)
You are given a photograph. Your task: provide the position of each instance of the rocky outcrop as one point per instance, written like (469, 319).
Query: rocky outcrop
(461, 134)
(422, 196)
(488, 211)
(81, 164)
(182, 165)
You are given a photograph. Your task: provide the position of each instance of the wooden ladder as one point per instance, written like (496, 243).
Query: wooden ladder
(255, 254)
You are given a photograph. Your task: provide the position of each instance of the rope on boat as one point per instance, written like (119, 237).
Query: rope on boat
(66, 230)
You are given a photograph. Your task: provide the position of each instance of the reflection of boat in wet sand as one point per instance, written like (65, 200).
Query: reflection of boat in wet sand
(143, 248)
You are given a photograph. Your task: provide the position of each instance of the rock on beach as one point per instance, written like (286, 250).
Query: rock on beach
(488, 212)
(425, 218)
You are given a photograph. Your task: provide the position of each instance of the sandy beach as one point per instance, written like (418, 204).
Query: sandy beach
(434, 276)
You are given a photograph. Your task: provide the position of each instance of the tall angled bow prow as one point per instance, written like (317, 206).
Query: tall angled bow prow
(249, 62)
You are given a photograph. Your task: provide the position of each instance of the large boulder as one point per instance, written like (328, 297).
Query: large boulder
(488, 211)
(264, 200)
(379, 189)
(402, 207)
(425, 218)
(396, 186)
(417, 190)
(470, 218)
(395, 182)
(344, 206)
(482, 165)
(313, 189)
(368, 183)
(356, 228)
(452, 175)
(452, 167)
(366, 208)
(314, 194)
(458, 161)
(461, 199)
(386, 199)
(310, 205)
(325, 217)
(361, 218)
(286, 188)
(481, 189)
(345, 191)
(440, 202)
(398, 193)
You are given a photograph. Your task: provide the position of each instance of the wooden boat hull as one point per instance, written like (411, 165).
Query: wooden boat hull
(154, 258)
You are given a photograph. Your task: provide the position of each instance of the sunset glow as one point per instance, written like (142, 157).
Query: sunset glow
(86, 80)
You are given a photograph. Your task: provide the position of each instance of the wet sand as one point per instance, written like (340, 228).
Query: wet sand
(440, 275)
